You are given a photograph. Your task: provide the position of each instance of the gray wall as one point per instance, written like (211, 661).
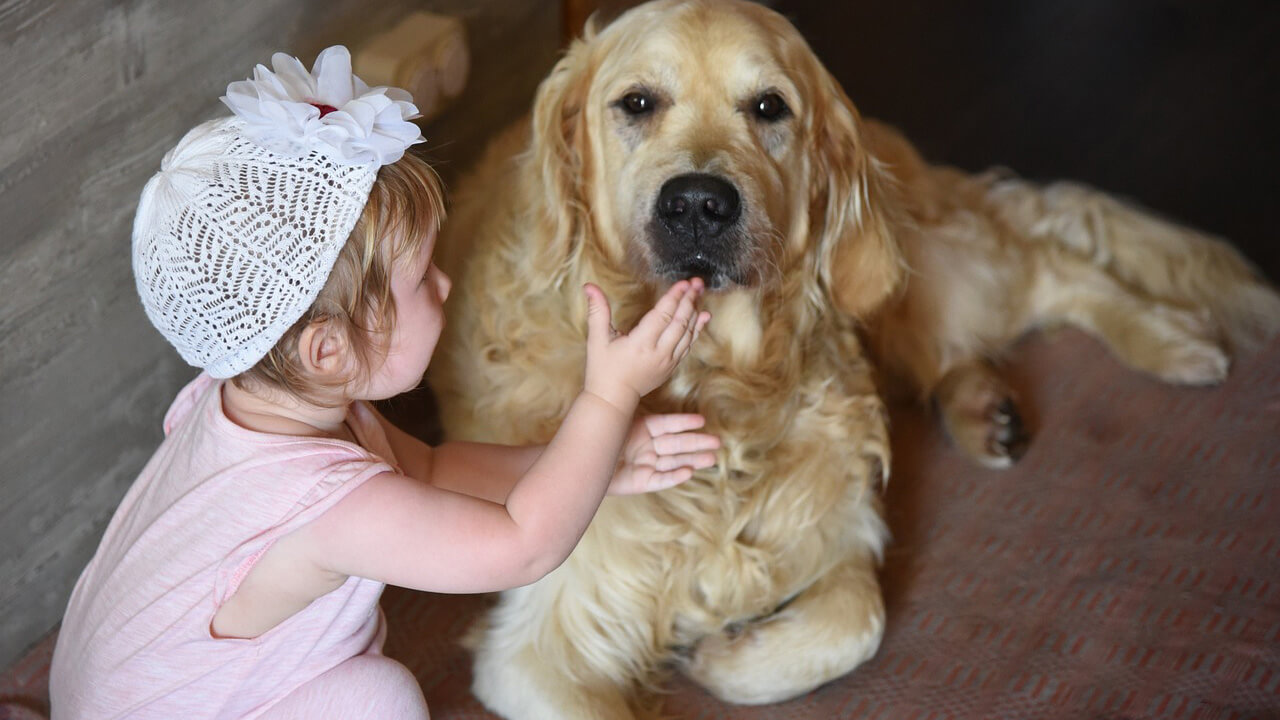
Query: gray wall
(95, 93)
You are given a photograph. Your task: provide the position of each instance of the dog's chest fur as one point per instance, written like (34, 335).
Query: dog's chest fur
(784, 393)
(782, 507)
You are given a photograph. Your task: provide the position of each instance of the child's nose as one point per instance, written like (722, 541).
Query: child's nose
(443, 285)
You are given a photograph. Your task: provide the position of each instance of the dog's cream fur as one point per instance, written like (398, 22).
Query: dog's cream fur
(757, 578)
(993, 257)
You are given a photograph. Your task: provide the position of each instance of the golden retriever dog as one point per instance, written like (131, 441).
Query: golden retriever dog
(704, 138)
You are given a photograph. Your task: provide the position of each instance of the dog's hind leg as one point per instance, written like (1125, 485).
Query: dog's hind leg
(1175, 344)
(1160, 259)
(825, 632)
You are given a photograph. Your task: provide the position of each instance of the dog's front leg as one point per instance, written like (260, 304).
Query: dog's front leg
(980, 414)
(825, 632)
(514, 682)
(541, 654)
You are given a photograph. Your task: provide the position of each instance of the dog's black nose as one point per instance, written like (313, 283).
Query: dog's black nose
(698, 205)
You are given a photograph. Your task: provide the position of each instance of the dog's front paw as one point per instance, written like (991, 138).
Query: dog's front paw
(785, 655)
(995, 435)
(1007, 436)
(981, 416)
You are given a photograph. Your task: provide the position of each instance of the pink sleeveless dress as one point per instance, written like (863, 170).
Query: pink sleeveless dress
(135, 641)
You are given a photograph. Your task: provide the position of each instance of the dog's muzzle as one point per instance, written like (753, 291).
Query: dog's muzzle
(696, 229)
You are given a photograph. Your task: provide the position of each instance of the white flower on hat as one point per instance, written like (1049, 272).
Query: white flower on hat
(291, 111)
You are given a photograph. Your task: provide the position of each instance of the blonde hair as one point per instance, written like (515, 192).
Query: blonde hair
(406, 205)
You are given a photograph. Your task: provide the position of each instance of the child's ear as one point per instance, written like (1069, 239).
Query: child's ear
(323, 348)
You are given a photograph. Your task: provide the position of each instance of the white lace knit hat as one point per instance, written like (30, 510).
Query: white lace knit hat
(238, 232)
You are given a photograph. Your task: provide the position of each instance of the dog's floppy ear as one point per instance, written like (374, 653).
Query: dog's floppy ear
(853, 203)
(560, 152)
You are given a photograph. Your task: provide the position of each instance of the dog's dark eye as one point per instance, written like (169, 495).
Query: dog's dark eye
(771, 107)
(637, 103)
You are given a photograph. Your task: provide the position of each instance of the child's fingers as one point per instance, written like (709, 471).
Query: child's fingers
(657, 319)
(670, 423)
(664, 480)
(665, 308)
(599, 316)
(681, 322)
(704, 317)
(697, 284)
(685, 442)
(686, 339)
(695, 329)
(693, 461)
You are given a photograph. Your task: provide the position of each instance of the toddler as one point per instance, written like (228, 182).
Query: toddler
(286, 250)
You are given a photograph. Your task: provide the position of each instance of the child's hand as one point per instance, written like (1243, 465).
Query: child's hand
(661, 452)
(623, 368)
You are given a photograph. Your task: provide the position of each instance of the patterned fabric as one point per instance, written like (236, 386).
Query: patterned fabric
(1127, 567)
(237, 234)
(232, 244)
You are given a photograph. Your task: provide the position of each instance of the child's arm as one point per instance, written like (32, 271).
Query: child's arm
(660, 451)
(406, 532)
(481, 469)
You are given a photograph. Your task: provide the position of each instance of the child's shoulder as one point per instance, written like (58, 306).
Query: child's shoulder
(198, 423)
(187, 398)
